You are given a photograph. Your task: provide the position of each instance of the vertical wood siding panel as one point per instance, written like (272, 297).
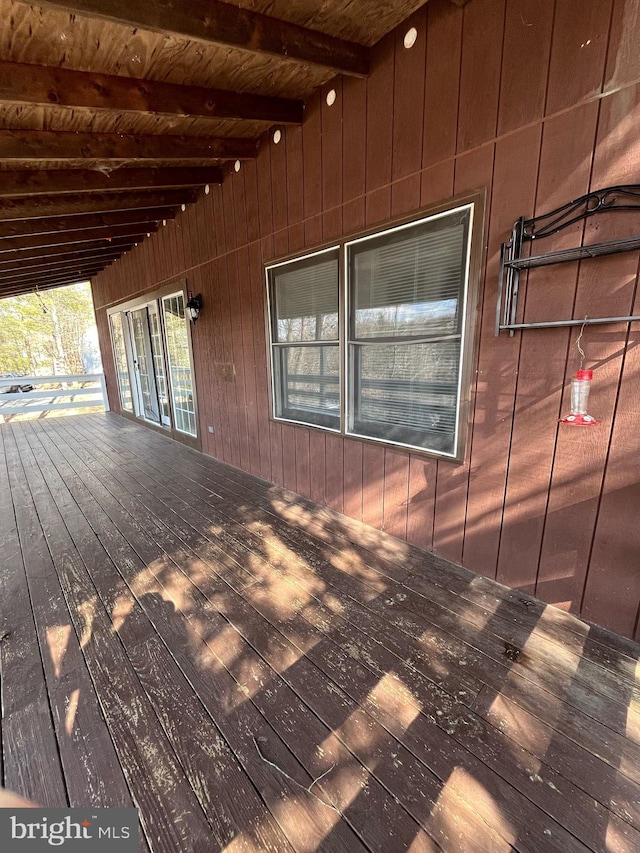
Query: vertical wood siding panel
(231, 368)
(578, 52)
(207, 238)
(442, 81)
(380, 132)
(421, 500)
(353, 479)
(480, 73)
(354, 150)
(249, 359)
(613, 584)
(235, 308)
(222, 407)
(278, 154)
(317, 465)
(275, 433)
(408, 119)
(265, 208)
(623, 58)
(218, 218)
(265, 202)
(332, 162)
(240, 207)
(514, 185)
(312, 165)
(525, 64)
(228, 210)
(334, 480)
(257, 284)
(372, 484)
(251, 200)
(473, 170)
(295, 186)
(289, 457)
(396, 492)
(172, 238)
(303, 484)
(184, 245)
(610, 288)
(565, 170)
(192, 245)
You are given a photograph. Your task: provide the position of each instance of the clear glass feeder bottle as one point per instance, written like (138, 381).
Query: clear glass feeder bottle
(580, 388)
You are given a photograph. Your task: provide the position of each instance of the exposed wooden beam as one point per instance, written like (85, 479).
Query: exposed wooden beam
(25, 145)
(71, 261)
(34, 84)
(58, 224)
(10, 246)
(31, 182)
(225, 24)
(66, 250)
(45, 206)
(80, 273)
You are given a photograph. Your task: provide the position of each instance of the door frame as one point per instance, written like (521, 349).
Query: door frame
(140, 302)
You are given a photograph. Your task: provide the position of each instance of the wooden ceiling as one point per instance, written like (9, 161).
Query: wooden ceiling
(115, 113)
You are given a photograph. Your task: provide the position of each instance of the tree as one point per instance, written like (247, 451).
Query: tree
(46, 332)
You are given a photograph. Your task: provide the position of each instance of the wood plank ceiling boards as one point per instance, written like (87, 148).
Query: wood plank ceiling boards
(115, 115)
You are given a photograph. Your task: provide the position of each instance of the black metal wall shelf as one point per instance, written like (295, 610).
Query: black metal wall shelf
(617, 198)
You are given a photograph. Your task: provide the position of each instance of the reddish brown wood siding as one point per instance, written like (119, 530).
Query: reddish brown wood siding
(536, 105)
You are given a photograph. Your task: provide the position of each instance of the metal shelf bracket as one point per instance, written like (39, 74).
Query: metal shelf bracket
(512, 261)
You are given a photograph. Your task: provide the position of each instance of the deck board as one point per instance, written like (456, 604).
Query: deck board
(231, 657)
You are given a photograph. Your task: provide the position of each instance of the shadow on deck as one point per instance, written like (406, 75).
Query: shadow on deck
(258, 673)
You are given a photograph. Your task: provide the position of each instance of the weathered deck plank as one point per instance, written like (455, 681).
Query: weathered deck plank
(266, 642)
(482, 740)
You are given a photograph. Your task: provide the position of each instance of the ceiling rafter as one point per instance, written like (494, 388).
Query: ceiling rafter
(58, 241)
(75, 205)
(66, 145)
(57, 224)
(22, 83)
(31, 257)
(33, 182)
(62, 262)
(80, 273)
(228, 25)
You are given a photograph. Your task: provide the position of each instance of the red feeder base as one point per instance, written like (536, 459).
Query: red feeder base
(578, 420)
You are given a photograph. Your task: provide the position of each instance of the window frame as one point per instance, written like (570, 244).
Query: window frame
(275, 345)
(469, 321)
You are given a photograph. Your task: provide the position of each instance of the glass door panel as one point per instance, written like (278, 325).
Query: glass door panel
(179, 361)
(158, 362)
(148, 405)
(122, 367)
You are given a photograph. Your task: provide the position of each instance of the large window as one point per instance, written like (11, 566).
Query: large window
(304, 297)
(388, 325)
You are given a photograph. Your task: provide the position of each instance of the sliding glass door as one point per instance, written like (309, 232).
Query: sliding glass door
(152, 351)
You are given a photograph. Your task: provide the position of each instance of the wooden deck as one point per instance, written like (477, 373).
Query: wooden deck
(257, 673)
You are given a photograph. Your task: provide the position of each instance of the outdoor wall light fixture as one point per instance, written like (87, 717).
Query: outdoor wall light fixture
(193, 307)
